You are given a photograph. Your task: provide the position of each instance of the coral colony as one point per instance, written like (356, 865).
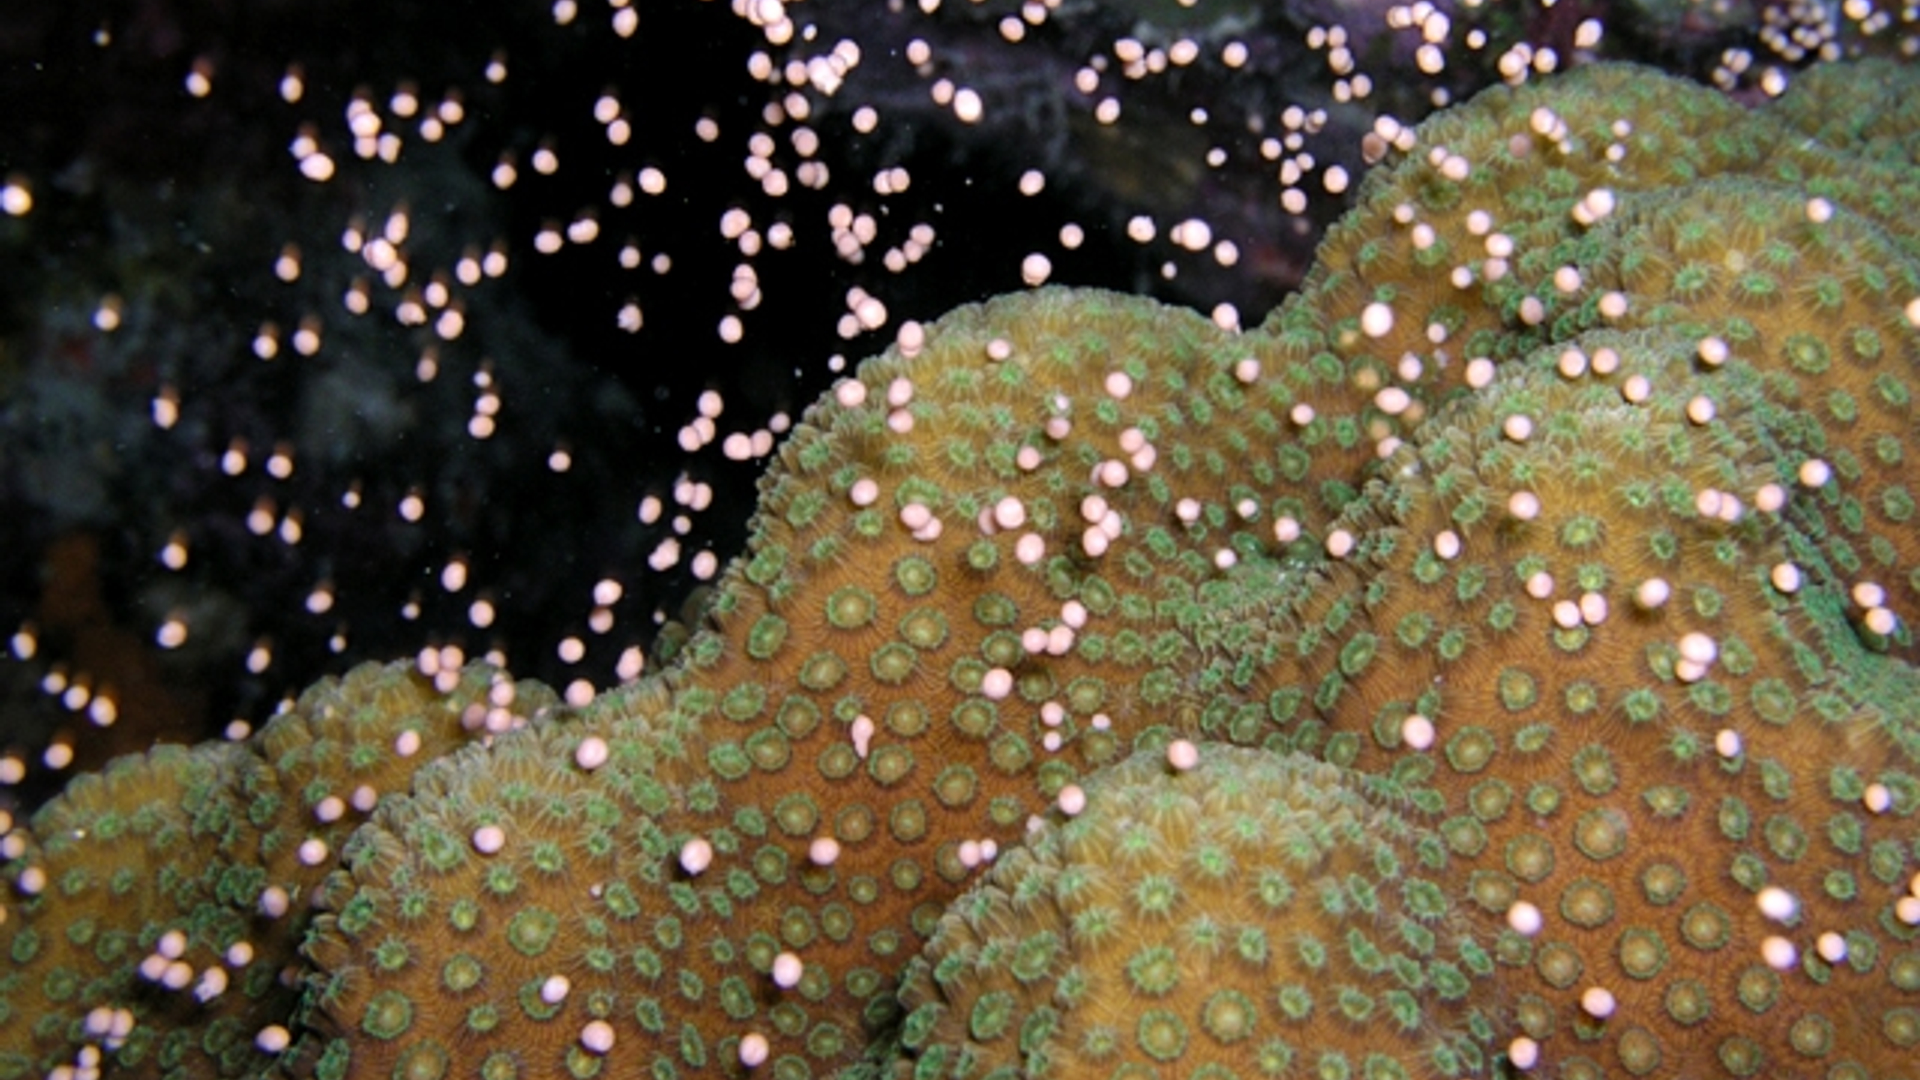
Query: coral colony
(1498, 659)
(323, 344)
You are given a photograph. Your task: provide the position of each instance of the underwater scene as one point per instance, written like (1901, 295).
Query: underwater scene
(1323, 539)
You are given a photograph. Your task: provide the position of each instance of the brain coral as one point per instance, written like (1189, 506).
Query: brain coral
(1563, 518)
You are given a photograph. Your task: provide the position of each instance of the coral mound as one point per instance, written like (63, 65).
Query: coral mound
(1564, 520)
(1251, 914)
(159, 906)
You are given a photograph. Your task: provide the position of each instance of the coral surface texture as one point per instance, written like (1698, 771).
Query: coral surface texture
(1499, 661)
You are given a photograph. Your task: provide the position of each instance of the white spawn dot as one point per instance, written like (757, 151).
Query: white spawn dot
(787, 970)
(1009, 513)
(1286, 529)
(1777, 904)
(1652, 593)
(1523, 505)
(1479, 372)
(754, 1050)
(1093, 542)
(1072, 800)
(823, 851)
(1446, 544)
(861, 732)
(1907, 910)
(1182, 755)
(1340, 543)
(1700, 409)
(213, 983)
(1593, 608)
(1779, 953)
(1815, 473)
(1878, 798)
(1192, 234)
(1831, 947)
(555, 989)
(1819, 211)
(1566, 614)
(272, 1039)
(1524, 918)
(1517, 428)
(1727, 743)
(1598, 1002)
(313, 851)
(591, 753)
(1417, 732)
(1035, 269)
(911, 339)
(597, 1037)
(1376, 320)
(1523, 1053)
(996, 684)
(489, 839)
(1785, 577)
(967, 106)
(16, 199)
(1699, 648)
(1030, 549)
(696, 855)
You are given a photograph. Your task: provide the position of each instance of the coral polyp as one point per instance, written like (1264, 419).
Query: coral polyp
(1498, 660)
